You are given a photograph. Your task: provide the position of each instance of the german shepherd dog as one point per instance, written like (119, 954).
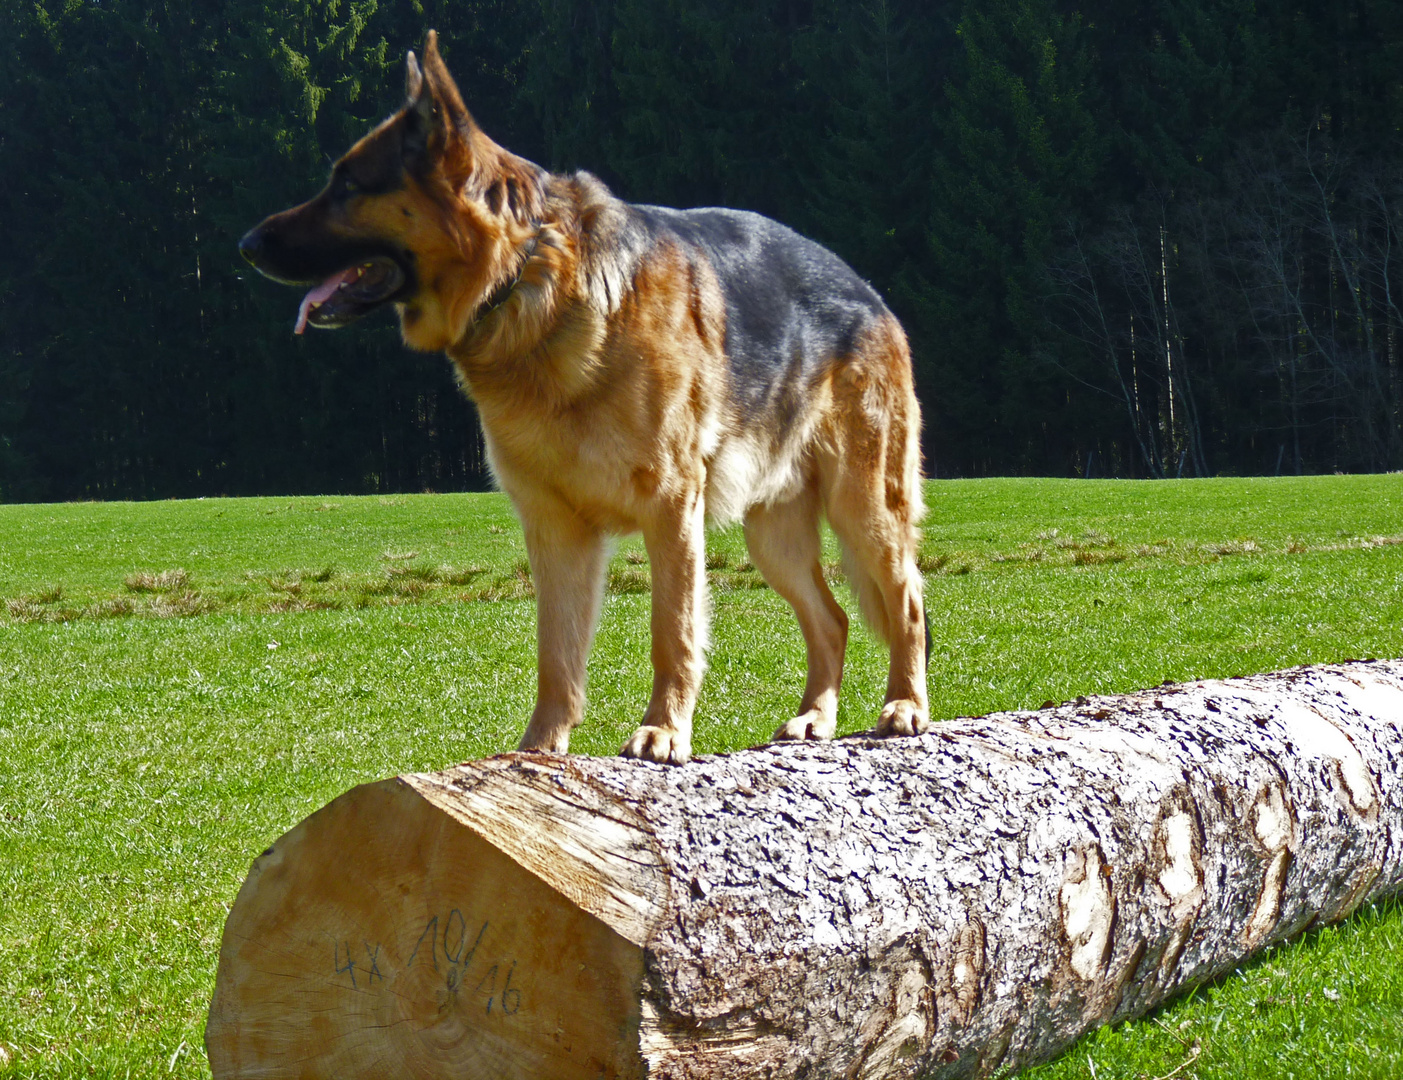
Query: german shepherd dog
(636, 369)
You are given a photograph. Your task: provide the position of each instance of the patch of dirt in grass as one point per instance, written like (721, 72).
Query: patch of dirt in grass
(1096, 558)
(629, 581)
(423, 575)
(731, 580)
(728, 576)
(144, 581)
(1026, 553)
(395, 587)
(465, 576)
(38, 607)
(1347, 543)
(171, 594)
(116, 608)
(22, 610)
(1090, 539)
(512, 587)
(181, 605)
(945, 564)
(1093, 548)
(515, 585)
(163, 595)
(1231, 547)
(296, 603)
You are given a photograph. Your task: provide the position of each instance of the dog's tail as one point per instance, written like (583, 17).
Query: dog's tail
(869, 599)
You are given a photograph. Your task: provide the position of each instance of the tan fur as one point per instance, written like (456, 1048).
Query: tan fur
(605, 396)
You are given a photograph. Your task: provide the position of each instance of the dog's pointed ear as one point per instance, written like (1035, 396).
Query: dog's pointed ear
(436, 120)
(442, 84)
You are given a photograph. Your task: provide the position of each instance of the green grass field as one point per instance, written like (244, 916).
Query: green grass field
(181, 682)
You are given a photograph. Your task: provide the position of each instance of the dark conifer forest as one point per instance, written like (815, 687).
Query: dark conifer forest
(1136, 239)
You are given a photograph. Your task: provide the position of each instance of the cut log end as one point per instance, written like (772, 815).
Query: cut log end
(381, 936)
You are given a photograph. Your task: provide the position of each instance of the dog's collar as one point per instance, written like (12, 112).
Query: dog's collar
(503, 292)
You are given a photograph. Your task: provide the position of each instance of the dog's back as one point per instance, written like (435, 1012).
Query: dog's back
(792, 306)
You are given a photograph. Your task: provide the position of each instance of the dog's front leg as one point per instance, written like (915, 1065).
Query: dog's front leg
(567, 565)
(676, 543)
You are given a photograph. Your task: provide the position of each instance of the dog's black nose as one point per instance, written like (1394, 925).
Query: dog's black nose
(251, 245)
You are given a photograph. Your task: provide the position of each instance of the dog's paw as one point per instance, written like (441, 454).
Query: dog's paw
(902, 717)
(551, 739)
(812, 725)
(663, 745)
(553, 746)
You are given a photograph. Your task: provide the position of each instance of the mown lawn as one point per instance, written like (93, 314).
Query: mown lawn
(180, 682)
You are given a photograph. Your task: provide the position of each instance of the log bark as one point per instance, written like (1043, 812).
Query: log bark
(941, 906)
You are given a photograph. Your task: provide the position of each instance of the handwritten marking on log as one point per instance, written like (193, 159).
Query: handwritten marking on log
(431, 935)
(370, 972)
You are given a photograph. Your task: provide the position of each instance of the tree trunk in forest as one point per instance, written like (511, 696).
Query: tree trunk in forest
(938, 906)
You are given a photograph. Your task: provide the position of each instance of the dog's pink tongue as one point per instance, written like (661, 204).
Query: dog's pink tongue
(320, 294)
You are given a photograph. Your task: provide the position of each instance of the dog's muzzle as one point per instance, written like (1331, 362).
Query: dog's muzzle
(348, 280)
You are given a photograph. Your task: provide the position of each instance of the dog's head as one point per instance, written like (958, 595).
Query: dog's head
(425, 213)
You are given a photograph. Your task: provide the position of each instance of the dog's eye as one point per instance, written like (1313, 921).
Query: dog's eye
(342, 185)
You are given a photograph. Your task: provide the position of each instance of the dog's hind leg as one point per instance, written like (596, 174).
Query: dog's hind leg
(784, 544)
(872, 495)
(883, 568)
(676, 542)
(567, 565)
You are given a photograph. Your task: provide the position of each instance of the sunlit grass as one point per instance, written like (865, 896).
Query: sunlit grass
(181, 682)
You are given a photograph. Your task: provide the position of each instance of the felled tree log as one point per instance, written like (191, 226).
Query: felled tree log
(939, 906)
